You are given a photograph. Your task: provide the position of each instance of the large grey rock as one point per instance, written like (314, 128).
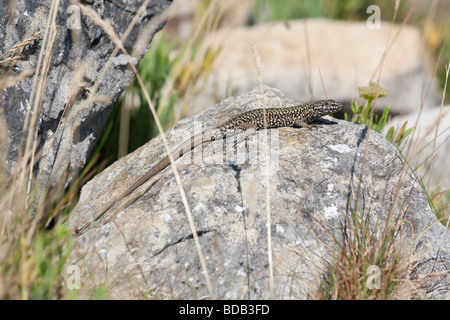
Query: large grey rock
(146, 248)
(308, 58)
(88, 47)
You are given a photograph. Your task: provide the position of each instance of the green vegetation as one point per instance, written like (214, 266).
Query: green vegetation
(358, 266)
(33, 255)
(366, 115)
(35, 245)
(441, 204)
(267, 10)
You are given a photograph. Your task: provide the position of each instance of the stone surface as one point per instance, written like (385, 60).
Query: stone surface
(145, 249)
(333, 60)
(88, 47)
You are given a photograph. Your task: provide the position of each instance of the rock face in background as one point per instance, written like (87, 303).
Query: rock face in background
(148, 249)
(317, 58)
(85, 50)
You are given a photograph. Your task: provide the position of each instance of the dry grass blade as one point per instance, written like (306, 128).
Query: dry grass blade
(266, 168)
(12, 81)
(42, 68)
(10, 56)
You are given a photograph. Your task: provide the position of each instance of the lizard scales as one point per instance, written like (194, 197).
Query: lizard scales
(296, 116)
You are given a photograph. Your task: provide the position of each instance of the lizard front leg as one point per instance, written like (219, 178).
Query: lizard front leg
(304, 124)
(250, 128)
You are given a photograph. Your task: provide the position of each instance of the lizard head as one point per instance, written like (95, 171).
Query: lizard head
(323, 108)
(327, 106)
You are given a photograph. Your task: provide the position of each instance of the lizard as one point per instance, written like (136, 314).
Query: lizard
(296, 116)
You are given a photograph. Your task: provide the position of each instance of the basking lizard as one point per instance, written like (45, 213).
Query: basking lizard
(248, 122)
